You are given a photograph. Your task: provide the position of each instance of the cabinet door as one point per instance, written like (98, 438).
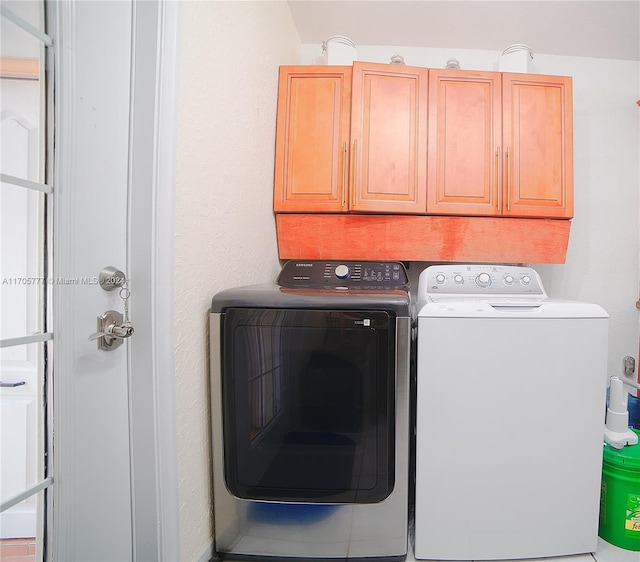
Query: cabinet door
(389, 138)
(465, 134)
(312, 139)
(538, 145)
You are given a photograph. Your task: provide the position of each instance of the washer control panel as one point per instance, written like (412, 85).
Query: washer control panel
(480, 280)
(343, 274)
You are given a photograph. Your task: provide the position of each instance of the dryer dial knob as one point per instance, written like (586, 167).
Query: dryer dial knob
(342, 271)
(440, 279)
(458, 279)
(526, 280)
(508, 280)
(483, 280)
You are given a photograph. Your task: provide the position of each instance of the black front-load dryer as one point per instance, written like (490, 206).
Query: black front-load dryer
(310, 413)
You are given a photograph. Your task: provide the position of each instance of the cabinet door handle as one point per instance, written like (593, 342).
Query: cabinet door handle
(507, 186)
(344, 174)
(498, 190)
(354, 161)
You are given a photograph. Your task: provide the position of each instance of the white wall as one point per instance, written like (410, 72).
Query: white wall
(602, 259)
(224, 227)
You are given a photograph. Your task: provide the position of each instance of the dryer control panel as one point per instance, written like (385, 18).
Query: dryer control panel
(343, 274)
(480, 281)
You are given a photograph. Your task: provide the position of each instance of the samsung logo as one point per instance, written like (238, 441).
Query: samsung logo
(304, 265)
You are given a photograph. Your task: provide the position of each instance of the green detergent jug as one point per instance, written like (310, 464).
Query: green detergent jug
(620, 497)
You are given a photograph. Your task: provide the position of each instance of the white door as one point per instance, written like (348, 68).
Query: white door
(110, 448)
(115, 491)
(91, 445)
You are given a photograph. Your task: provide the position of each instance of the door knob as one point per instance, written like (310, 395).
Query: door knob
(112, 330)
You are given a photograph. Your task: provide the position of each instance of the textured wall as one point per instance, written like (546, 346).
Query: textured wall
(224, 226)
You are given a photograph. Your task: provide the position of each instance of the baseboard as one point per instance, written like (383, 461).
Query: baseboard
(208, 554)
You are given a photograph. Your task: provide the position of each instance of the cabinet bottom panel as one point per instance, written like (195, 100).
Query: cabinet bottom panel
(422, 238)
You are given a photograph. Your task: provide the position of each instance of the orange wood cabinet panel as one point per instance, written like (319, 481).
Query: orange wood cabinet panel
(312, 139)
(538, 145)
(388, 138)
(465, 136)
(422, 238)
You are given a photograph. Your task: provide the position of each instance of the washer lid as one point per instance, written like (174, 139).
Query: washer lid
(506, 308)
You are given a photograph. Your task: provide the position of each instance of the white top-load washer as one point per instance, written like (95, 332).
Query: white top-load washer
(511, 391)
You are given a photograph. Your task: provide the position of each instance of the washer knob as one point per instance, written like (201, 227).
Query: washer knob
(508, 280)
(342, 271)
(458, 279)
(526, 280)
(440, 279)
(483, 280)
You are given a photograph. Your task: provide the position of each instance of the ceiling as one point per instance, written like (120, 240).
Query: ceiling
(587, 28)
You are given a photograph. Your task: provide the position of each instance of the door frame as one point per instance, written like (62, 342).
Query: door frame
(152, 412)
(153, 147)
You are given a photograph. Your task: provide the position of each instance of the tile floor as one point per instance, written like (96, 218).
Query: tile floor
(606, 553)
(609, 553)
(23, 550)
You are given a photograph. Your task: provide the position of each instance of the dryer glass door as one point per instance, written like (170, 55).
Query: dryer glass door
(308, 400)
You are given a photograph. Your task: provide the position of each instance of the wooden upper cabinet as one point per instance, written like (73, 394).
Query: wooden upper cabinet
(388, 138)
(538, 140)
(465, 134)
(383, 138)
(500, 144)
(312, 139)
